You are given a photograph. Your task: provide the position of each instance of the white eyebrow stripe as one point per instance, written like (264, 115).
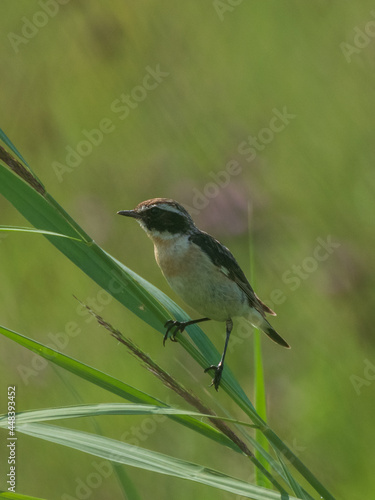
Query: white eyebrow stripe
(165, 206)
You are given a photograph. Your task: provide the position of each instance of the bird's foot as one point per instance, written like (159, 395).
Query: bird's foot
(173, 327)
(218, 372)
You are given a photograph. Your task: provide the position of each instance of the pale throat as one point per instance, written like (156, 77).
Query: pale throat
(169, 248)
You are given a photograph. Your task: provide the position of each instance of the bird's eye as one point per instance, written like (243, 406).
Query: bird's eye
(154, 210)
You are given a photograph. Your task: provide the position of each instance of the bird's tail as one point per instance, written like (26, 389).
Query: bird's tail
(273, 335)
(259, 321)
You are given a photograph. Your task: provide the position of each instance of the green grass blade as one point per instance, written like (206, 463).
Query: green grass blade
(262, 452)
(35, 231)
(127, 485)
(300, 492)
(113, 385)
(135, 456)
(12, 147)
(19, 165)
(8, 495)
(297, 464)
(95, 410)
(259, 385)
(260, 401)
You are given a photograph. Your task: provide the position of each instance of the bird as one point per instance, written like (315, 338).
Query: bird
(202, 271)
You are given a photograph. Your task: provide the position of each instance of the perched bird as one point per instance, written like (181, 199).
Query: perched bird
(202, 271)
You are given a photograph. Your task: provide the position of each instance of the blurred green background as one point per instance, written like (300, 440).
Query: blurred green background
(221, 74)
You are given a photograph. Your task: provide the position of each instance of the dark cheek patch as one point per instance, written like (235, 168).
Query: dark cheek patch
(167, 221)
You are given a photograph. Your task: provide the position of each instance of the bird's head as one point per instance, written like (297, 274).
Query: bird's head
(161, 218)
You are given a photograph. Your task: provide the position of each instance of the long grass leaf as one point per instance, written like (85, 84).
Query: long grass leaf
(32, 230)
(135, 456)
(298, 490)
(8, 495)
(95, 410)
(12, 147)
(259, 385)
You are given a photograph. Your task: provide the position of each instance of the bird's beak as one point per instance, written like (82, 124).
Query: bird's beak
(129, 213)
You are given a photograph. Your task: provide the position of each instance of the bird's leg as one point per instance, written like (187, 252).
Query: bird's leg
(219, 368)
(179, 326)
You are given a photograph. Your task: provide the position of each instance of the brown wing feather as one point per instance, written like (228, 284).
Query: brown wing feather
(265, 308)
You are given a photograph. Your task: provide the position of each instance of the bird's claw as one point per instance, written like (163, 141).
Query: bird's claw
(176, 326)
(218, 373)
